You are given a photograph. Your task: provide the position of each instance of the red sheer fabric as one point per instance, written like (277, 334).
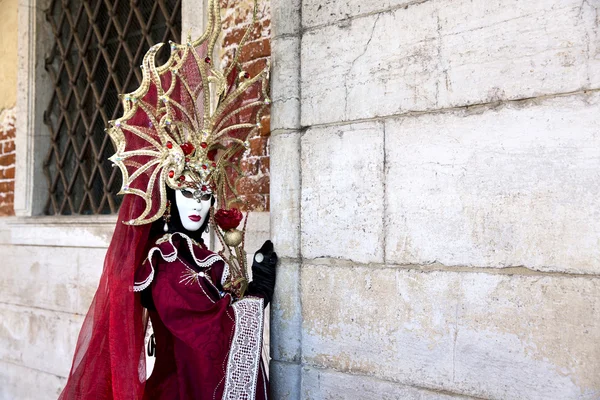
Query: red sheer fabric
(109, 361)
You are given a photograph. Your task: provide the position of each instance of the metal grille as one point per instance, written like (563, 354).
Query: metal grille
(99, 45)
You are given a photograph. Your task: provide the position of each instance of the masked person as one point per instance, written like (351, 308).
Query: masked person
(178, 146)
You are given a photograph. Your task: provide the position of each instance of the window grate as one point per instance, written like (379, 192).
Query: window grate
(99, 45)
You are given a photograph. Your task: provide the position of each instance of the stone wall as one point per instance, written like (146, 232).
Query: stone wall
(435, 190)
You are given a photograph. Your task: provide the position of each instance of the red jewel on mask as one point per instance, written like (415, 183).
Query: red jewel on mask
(204, 166)
(214, 165)
(207, 60)
(203, 145)
(181, 178)
(187, 148)
(169, 145)
(246, 75)
(187, 159)
(171, 174)
(203, 188)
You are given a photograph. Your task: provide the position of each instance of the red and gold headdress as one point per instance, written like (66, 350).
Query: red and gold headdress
(188, 123)
(187, 126)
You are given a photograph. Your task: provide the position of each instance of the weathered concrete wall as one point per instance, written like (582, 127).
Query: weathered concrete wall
(435, 189)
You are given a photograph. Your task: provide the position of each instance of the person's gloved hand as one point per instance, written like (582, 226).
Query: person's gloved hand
(263, 272)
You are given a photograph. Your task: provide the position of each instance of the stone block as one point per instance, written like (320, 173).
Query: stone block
(63, 231)
(285, 17)
(54, 278)
(447, 53)
(511, 49)
(38, 339)
(342, 192)
(512, 186)
(481, 335)
(285, 196)
(285, 83)
(17, 382)
(373, 66)
(286, 313)
(333, 385)
(315, 12)
(285, 381)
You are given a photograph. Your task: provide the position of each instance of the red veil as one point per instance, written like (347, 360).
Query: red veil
(109, 360)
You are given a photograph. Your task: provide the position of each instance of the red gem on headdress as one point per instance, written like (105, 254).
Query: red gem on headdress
(214, 165)
(203, 188)
(207, 60)
(246, 75)
(181, 178)
(204, 166)
(171, 174)
(169, 145)
(187, 148)
(203, 145)
(187, 159)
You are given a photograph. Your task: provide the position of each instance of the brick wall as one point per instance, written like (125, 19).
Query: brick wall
(7, 161)
(253, 187)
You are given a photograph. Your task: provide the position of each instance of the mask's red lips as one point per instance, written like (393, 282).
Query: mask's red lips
(195, 218)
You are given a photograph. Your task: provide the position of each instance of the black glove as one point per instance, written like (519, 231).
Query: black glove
(263, 272)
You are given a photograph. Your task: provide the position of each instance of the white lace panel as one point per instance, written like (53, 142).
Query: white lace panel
(244, 355)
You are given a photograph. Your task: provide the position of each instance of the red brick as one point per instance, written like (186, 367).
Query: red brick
(265, 122)
(249, 166)
(258, 146)
(8, 134)
(252, 185)
(235, 35)
(264, 164)
(7, 160)
(255, 50)
(6, 187)
(255, 66)
(7, 173)
(8, 198)
(7, 210)
(8, 147)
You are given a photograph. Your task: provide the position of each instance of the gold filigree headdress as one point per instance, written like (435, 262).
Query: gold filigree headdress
(188, 123)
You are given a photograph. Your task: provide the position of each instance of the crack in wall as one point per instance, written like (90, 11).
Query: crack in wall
(473, 108)
(439, 267)
(366, 47)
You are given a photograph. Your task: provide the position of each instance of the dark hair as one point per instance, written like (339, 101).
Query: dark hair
(175, 222)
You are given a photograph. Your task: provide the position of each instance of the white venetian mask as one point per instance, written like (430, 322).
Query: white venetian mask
(193, 206)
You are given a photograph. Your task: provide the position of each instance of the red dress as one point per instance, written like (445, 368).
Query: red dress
(207, 345)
